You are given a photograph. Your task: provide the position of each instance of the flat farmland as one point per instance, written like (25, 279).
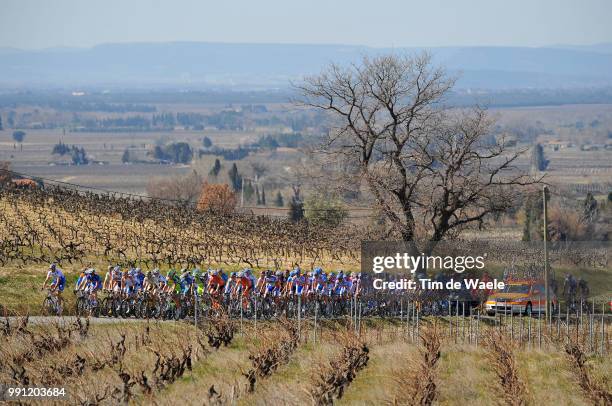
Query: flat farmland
(34, 156)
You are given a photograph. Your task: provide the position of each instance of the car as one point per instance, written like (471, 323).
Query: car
(520, 296)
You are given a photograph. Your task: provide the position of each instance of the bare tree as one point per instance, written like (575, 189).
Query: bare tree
(179, 187)
(259, 168)
(432, 169)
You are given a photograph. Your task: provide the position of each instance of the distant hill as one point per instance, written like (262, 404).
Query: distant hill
(198, 64)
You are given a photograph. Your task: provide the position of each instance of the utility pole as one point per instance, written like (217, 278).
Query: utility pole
(546, 271)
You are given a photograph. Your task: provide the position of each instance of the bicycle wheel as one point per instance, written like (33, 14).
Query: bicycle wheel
(94, 309)
(81, 306)
(106, 307)
(125, 308)
(48, 307)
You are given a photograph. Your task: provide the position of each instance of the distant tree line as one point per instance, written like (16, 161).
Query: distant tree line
(77, 154)
(273, 141)
(176, 152)
(229, 154)
(66, 105)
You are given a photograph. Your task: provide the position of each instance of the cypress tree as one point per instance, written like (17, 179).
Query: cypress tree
(278, 202)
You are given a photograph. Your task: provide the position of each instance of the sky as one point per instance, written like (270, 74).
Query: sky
(36, 24)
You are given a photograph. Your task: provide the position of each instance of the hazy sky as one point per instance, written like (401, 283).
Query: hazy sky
(83, 23)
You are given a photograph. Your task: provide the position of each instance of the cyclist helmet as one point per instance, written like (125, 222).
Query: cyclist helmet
(156, 271)
(148, 274)
(279, 273)
(233, 275)
(171, 274)
(318, 271)
(53, 266)
(332, 274)
(196, 273)
(240, 274)
(214, 272)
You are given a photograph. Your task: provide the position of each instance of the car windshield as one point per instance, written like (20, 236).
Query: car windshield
(516, 289)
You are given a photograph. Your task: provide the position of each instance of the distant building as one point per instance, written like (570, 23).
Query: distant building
(556, 145)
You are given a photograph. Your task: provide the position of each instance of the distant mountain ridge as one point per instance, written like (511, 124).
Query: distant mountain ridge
(202, 64)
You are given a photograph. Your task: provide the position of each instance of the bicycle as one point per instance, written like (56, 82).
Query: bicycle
(86, 305)
(51, 305)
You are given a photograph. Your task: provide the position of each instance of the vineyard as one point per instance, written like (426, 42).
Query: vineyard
(223, 362)
(67, 226)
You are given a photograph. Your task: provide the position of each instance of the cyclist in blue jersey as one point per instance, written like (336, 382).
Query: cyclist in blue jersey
(89, 284)
(57, 282)
(186, 281)
(139, 278)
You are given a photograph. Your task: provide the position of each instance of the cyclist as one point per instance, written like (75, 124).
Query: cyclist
(319, 281)
(300, 282)
(269, 283)
(216, 283)
(341, 286)
(139, 278)
(162, 281)
(151, 281)
(279, 284)
(583, 289)
(231, 284)
(116, 276)
(199, 280)
(246, 281)
(90, 284)
(223, 275)
(186, 281)
(569, 289)
(290, 283)
(331, 283)
(80, 279)
(106, 285)
(127, 282)
(173, 283)
(261, 282)
(57, 283)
